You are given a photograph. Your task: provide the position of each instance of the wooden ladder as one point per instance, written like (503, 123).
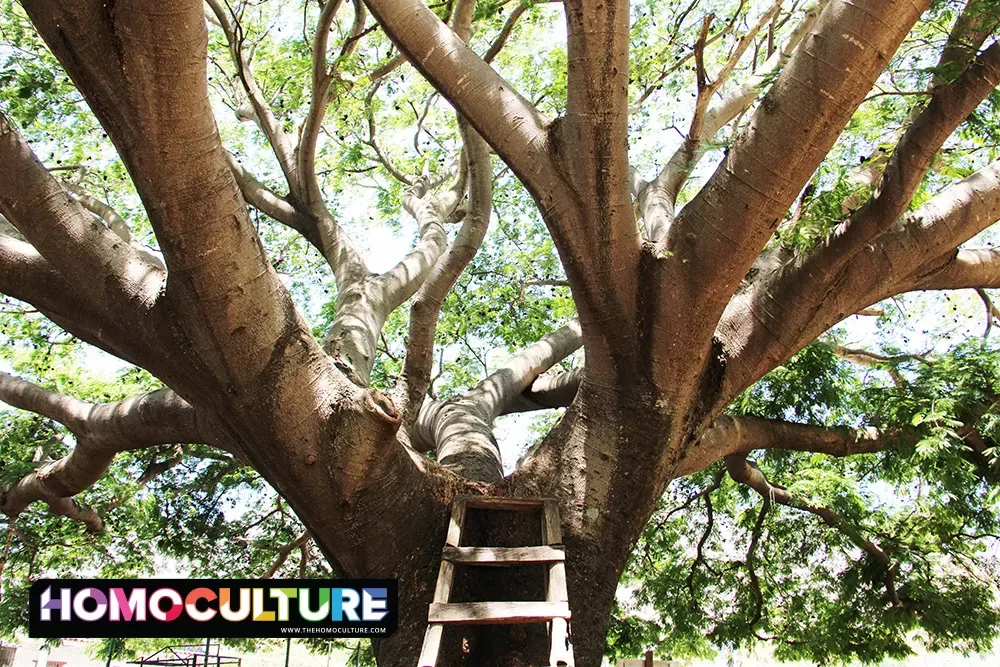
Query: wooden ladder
(554, 611)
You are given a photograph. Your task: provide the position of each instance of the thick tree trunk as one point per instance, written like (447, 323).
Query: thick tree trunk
(221, 330)
(593, 571)
(600, 462)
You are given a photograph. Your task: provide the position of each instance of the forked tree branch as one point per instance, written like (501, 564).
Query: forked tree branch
(324, 76)
(416, 376)
(508, 122)
(365, 301)
(321, 229)
(809, 278)
(657, 200)
(431, 212)
(374, 143)
(102, 431)
(270, 203)
(917, 253)
(747, 473)
(279, 141)
(798, 121)
(949, 106)
(461, 428)
(415, 379)
(285, 550)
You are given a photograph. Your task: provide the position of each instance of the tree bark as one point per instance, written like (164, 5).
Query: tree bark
(669, 333)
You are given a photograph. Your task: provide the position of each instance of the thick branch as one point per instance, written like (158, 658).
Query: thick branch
(66, 234)
(71, 509)
(548, 391)
(506, 383)
(975, 268)
(744, 434)
(461, 428)
(416, 376)
(149, 419)
(789, 314)
(102, 431)
(222, 290)
(950, 105)
(977, 21)
(26, 275)
(810, 279)
(747, 472)
(796, 125)
(592, 220)
(116, 223)
(508, 122)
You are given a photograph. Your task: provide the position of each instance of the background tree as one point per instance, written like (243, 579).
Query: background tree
(202, 192)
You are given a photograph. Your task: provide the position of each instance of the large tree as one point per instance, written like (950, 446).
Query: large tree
(700, 283)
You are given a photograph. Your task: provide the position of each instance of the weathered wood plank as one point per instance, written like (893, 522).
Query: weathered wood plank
(442, 591)
(499, 613)
(560, 650)
(457, 522)
(551, 530)
(432, 646)
(502, 503)
(503, 555)
(555, 591)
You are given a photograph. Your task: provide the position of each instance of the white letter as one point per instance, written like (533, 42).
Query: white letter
(282, 595)
(349, 600)
(373, 608)
(176, 604)
(63, 604)
(97, 596)
(133, 606)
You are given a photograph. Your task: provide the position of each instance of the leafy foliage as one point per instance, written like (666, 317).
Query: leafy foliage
(718, 567)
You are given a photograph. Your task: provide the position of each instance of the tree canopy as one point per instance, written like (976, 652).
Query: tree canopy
(278, 278)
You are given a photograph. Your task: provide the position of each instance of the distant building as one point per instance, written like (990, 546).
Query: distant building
(34, 653)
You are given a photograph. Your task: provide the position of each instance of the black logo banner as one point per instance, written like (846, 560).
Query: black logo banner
(179, 608)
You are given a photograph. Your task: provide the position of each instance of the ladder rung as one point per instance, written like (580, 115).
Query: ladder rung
(499, 503)
(497, 612)
(503, 555)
